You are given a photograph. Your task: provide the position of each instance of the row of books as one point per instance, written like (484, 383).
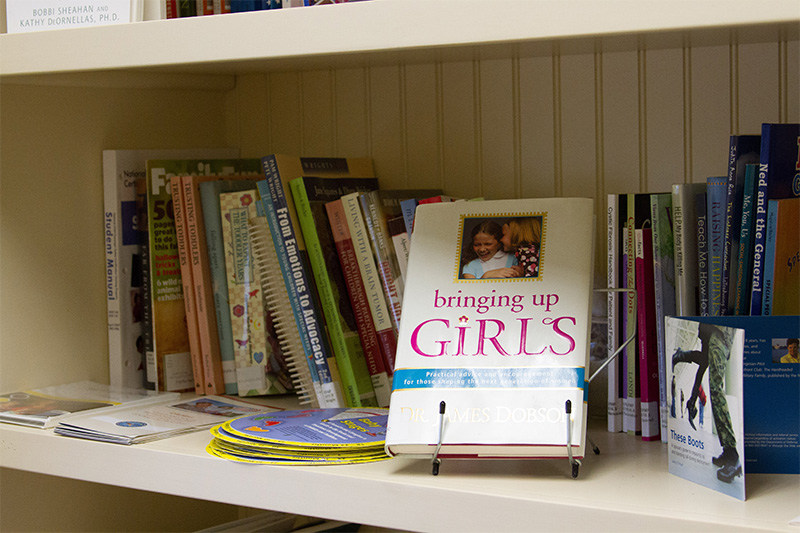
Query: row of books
(727, 246)
(255, 276)
(194, 8)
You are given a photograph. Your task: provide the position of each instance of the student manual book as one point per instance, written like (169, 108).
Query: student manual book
(503, 350)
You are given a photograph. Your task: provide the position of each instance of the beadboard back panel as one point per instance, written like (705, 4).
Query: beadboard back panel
(563, 125)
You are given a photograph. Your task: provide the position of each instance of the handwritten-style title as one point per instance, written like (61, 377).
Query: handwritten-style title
(524, 335)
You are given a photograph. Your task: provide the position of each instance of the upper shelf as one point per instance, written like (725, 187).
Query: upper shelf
(392, 32)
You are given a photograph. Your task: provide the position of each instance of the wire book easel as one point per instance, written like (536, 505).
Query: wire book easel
(436, 461)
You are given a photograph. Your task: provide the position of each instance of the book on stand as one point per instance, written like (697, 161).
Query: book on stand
(310, 195)
(124, 276)
(47, 406)
(374, 346)
(505, 355)
(281, 215)
(777, 178)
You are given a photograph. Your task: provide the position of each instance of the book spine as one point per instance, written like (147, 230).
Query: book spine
(703, 298)
(408, 207)
(663, 289)
(760, 223)
(632, 401)
(745, 255)
(185, 258)
(400, 242)
(769, 257)
(215, 254)
(369, 275)
(143, 237)
(298, 282)
(646, 335)
(349, 357)
(300, 364)
(684, 225)
(388, 269)
(614, 407)
(381, 381)
(715, 213)
(202, 289)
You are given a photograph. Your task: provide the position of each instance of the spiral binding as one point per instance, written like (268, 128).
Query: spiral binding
(277, 298)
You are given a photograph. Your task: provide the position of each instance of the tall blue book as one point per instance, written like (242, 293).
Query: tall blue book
(778, 177)
(744, 270)
(744, 150)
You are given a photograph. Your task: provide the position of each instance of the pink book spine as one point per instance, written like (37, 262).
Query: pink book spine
(646, 336)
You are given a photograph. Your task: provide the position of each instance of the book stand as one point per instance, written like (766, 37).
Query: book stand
(575, 463)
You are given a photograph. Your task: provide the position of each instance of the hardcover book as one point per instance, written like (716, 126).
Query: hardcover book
(781, 294)
(706, 422)
(508, 352)
(124, 277)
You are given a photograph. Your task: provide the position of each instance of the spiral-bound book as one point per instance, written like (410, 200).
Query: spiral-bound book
(301, 366)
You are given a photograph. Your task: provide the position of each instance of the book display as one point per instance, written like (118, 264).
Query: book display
(551, 100)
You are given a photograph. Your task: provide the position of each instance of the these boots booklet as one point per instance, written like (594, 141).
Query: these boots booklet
(496, 322)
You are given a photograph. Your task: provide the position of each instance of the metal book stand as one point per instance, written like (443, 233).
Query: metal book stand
(436, 461)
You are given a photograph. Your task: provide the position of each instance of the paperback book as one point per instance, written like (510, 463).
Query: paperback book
(496, 330)
(140, 424)
(46, 407)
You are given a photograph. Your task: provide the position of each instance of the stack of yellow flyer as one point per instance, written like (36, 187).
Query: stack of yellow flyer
(303, 437)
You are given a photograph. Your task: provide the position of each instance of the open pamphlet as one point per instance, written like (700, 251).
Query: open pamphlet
(140, 424)
(46, 407)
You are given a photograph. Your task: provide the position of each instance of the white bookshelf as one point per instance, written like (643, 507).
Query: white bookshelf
(508, 98)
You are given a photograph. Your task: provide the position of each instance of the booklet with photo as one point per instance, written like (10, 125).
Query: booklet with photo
(45, 407)
(705, 396)
(137, 425)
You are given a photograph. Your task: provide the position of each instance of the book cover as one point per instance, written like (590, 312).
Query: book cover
(663, 288)
(781, 294)
(187, 283)
(706, 378)
(300, 364)
(743, 150)
(744, 271)
(777, 178)
(368, 268)
(771, 376)
(169, 360)
(616, 379)
(214, 254)
(45, 407)
(357, 293)
(202, 281)
(124, 275)
(684, 220)
(646, 336)
(310, 195)
(281, 215)
(715, 217)
(507, 356)
(259, 368)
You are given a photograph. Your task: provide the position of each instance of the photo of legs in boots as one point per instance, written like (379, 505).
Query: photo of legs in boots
(713, 357)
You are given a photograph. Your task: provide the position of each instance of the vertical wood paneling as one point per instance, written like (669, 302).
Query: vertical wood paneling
(459, 130)
(319, 130)
(535, 142)
(498, 173)
(286, 114)
(386, 127)
(790, 81)
(620, 122)
(758, 86)
(578, 129)
(710, 111)
(352, 133)
(423, 125)
(665, 126)
(253, 115)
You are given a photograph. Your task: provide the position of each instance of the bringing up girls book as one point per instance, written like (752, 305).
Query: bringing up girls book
(496, 325)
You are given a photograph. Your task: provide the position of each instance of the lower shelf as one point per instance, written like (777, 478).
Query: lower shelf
(626, 487)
